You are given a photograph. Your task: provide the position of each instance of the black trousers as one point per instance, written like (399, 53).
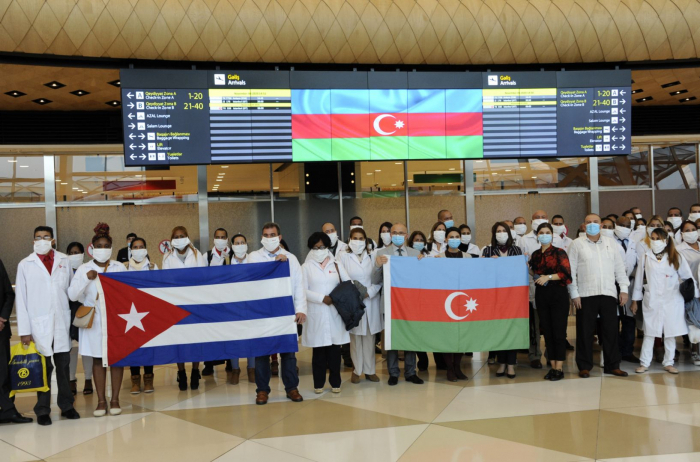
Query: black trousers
(628, 325)
(65, 396)
(326, 358)
(552, 303)
(136, 370)
(7, 405)
(506, 356)
(586, 317)
(423, 361)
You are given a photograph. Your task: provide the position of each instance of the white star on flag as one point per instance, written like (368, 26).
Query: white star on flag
(399, 124)
(471, 305)
(133, 319)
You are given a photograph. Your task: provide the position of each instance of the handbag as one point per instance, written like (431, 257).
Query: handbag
(86, 314)
(27, 370)
(687, 289)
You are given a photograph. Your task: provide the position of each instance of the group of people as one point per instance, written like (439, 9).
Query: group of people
(594, 273)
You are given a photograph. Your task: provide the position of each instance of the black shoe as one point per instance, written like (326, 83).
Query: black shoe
(70, 414)
(536, 364)
(349, 364)
(393, 380)
(44, 420)
(630, 359)
(182, 380)
(569, 346)
(549, 374)
(194, 381)
(377, 350)
(415, 379)
(18, 419)
(556, 376)
(422, 366)
(501, 374)
(208, 370)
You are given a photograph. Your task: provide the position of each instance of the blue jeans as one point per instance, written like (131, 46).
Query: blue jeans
(288, 370)
(233, 363)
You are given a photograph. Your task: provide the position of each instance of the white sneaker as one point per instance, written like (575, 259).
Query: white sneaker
(696, 359)
(335, 390)
(318, 391)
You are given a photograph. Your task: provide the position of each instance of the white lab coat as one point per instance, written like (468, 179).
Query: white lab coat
(298, 290)
(339, 250)
(361, 271)
(82, 288)
(663, 306)
(172, 261)
(42, 303)
(691, 255)
(629, 257)
(324, 326)
(434, 251)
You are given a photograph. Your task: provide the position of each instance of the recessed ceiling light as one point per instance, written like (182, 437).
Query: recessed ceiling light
(113, 103)
(219, 180)
(410, 180)
(648, 98)
(54, 85)
(307, 182)
(117, 83)
(534, 177)
(394, 184)
(451, 169)
(224, 166)
(58, 181)
(670, 84)
(398, 163)
(449, 183)
(352, 173)
(678, 92)
(369, 173)
(15, 93)
(76, 188)
(24, 166)
(42, 101)
(377, 170)
(479, 161)
(639, 90)
(12, 160)
(507, 170)
(523, 167)
(351, 181)
(685, 100)
(64, 183)
(80, 93)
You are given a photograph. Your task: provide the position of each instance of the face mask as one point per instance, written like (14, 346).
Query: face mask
(465, 238)
(180, 244)
(270, 243)
(544, 239)
(356, 226)
(536, 223)
(641, 228)
(675, 221)
(386, 238)
(658, 246)
(514, 234)
(502, 238)
(101, 255)
(220, 244)
(240, 250)
(607, 232)
(453, 243)
(581, 234)
(559, 229)
(520, 229)
(319, 255)
(651, 230)
(593, 229)
(398, 240)
(42, 247)
(694, 217)
(76, 260)
(439, 236)
(449, 223)
(622, 232)
(334, 238)
(139, 254)
(638, 216)
(357, 247)
(419, 246)
(691, 237)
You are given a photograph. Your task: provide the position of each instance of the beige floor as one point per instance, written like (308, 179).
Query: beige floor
(653, 417)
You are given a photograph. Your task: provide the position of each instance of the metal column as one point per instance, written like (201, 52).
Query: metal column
(593, 177)
(405, 192)
(652, 180)
(50, 192)
(340, 203)
(272, 197)
(202, 196)
(469, 203)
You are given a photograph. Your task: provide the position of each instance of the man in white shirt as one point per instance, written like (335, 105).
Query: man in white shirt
(596, 265)
(560, 230)
(628, 322)
(520, 226)
(221, 253)
(337, 246)
(446, 217)
(272, 251)
(675, 217)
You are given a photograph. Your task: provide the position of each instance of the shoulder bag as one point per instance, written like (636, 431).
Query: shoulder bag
(86, 314)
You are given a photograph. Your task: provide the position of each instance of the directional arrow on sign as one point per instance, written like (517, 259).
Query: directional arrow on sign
(614, 138)
(622, 146)
(132, 157)
(622, 129)
(143, 156)
(614, 147)
(142, 136)
(131, 126)
(622, 92)
(131, 146)
(131, 135)
(622, 138)
(131, 105)
(614, 129)
(623, 101)
(131, 116)
(622, 111)
(143, 146)
(622, 119)
(129, 95)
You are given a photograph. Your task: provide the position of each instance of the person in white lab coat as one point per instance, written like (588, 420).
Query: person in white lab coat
(662, 302)
(325, 330)
(466, 244)
(90, 344)
(436, 240)
(43, 316)
(272, 251)
(560, 230)
(76, 256)
(184, 255)
(690, 249)
(337, 246)
(358, 262)
(139, 261)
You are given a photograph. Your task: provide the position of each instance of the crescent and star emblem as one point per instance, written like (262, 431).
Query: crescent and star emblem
(470, 306)
(398, 124)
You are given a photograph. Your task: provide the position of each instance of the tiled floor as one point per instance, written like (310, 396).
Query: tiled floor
(653, 417)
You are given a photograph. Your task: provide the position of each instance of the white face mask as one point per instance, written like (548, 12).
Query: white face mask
(465, 238)
(691, 237)
(357, 247)
(76, 260)
(514, 234)
(270, 243)
(139, 254)
(386, 238)
(694, 217)
(101, 255)
(675, 221)
(180, 244)
(439, 236)
(658, 246)
(240, 250)
(356, 226)
(502, 238)
(536, 223)
(319, 255)
(520, 229)
(641, 228)
(622, 232)
(334, 238)
(581, 234)
(607, 232)
(42, 247)
(559, 229)
(220, 244)
(651, 230)
(638, 216)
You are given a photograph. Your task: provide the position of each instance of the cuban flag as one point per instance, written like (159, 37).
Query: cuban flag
(197, 314)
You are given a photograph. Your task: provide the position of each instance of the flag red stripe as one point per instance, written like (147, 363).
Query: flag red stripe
(305, 126)
(429, 304)
(464, 124)
(350, 125)
(426, 124)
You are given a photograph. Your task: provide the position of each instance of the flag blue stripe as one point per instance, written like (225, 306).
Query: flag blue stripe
(239, 311)
(388, 101)
(350, 101)
(311, 101)
(202, 276)
(213, 351)
(464, 101)
(459, 274)
(426, 101)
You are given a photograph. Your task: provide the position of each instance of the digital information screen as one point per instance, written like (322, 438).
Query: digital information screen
(241, 116)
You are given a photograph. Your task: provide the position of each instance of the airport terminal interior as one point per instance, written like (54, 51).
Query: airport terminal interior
(70, 76)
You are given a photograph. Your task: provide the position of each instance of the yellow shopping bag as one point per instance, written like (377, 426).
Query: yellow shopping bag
(27, 370)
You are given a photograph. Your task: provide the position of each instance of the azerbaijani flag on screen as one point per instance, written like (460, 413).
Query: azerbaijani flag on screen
(456, 305)
(386, 124)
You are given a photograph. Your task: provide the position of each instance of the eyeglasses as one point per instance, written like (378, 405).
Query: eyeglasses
(398, 233)
(43, 238)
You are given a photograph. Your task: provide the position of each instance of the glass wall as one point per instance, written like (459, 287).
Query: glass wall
(675, 177)
(529, 174)
(434, 186)
(22, 180)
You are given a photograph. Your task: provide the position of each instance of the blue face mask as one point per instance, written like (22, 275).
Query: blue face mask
(593, 229)
(449, 224)
(544, 239)
(419, 246)
(454, 243)
(397, 240)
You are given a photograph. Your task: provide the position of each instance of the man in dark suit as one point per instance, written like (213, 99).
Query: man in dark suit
(124, 254)
(8, 412)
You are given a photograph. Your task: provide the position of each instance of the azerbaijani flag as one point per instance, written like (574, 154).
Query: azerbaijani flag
(456, 305)
(336, 125)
